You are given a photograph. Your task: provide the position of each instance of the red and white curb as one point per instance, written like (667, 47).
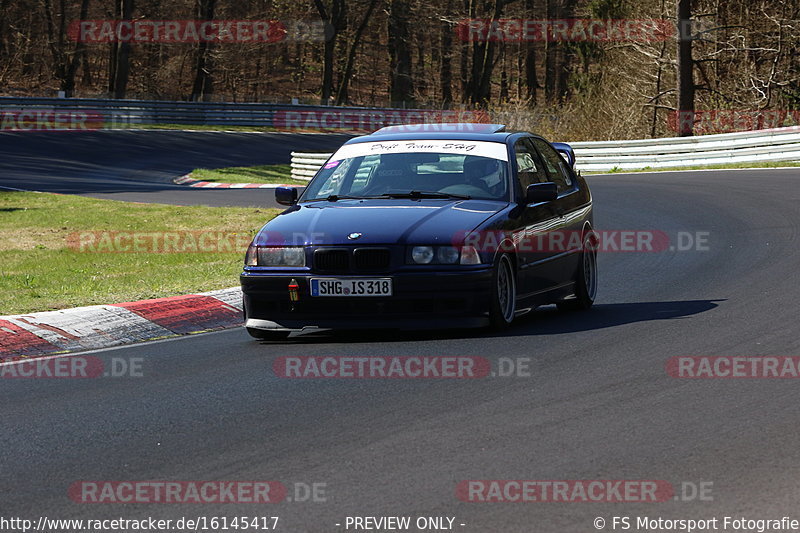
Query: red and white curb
(191, 182)
(103, 326)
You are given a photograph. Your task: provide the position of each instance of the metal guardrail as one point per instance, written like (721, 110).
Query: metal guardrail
(121, 114)
(781, 144)
(305, 165)
(125, 114)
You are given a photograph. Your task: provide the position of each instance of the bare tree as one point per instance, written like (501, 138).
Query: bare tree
(119, 61)
(401, 84)
(342, 96)
(685, 118)
(446, 55)
(334, 15)
(484, 55)
(203, 86)
(531, 79)
(65, 62)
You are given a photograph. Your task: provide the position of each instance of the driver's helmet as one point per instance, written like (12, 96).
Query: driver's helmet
(482, 172)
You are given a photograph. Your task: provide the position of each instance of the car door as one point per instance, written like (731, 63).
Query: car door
(535, 220)
(570, 211)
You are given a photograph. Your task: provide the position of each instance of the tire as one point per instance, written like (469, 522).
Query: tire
(266, 335)
(585, 279)
(503, 305)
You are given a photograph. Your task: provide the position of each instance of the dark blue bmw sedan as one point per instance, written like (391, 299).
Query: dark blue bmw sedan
(425, 226)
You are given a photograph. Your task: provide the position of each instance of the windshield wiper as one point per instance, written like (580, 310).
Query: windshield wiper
(410, 194)
(335, 197)
(427, 194)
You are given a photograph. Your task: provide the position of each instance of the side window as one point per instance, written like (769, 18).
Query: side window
(529, 171)
(555, 166)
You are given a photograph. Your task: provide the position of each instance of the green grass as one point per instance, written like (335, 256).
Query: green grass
(280, 174)
(763, 164)
(44, 267)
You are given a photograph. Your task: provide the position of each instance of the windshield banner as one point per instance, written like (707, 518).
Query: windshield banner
(480, 148)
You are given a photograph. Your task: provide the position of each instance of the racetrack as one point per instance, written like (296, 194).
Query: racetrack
(598, 403)
(139, 166)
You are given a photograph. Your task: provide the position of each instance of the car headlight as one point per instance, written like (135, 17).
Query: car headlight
(447, 255)
(292, 256)
(422, 254)
(433, 255)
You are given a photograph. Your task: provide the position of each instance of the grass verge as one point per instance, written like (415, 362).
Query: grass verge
(59, 251)
(280, 174)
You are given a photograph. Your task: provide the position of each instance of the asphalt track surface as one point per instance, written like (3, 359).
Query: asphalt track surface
(139, 166)
(598, 403)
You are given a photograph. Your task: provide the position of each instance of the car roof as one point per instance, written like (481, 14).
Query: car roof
(460, 131)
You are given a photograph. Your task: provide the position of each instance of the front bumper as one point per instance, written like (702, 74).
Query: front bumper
(421, 300)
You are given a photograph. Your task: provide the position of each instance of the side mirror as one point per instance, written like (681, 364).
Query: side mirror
(566, 151)
(286, 195)
(541, 192)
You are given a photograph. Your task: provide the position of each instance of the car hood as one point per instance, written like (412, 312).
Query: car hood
(391, 221)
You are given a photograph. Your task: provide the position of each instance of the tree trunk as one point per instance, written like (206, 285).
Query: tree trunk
(4, 17)
(685, 117)
(401, 86)
(203, 86)
(483, 61)
(420, 79)
(504, 83)
(119, 66)
(327, 71)
(78, 55)
(565, 54)
(335, 19)
(342, 96)
(55, 41)
(551, 56)
(531, 78)
(446, 55)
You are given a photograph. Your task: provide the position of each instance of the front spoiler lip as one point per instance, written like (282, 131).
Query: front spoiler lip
(402, 324)
(269, 325)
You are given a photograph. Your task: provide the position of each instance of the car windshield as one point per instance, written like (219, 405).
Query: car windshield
(414, 169)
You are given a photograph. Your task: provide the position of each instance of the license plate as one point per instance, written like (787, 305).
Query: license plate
(351, 287)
